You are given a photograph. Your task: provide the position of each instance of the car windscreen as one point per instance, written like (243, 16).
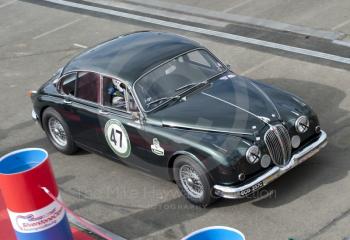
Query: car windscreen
(175, 77)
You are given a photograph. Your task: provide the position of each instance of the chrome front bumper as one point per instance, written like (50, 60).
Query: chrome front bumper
(274, 173)
(34, 116)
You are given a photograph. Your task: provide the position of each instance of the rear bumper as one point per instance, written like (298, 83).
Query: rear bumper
(274, 173)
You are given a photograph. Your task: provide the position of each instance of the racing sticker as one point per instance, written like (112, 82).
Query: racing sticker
(117, 138)
(156, 148)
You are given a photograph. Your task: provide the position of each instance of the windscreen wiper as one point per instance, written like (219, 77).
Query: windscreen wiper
(162, 99)
(191, 85)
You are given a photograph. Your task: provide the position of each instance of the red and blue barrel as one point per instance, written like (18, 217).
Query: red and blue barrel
(33, 214)
(214, 233)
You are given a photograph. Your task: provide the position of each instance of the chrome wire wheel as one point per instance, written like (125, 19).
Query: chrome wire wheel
(191, 181)
(57, 132)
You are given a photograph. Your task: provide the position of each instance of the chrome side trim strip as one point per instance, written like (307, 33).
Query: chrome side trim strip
(193, 128)
(274, 173)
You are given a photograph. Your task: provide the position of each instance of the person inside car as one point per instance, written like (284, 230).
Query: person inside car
(117, 93)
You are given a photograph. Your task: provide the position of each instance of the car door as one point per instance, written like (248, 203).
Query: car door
(121, 135)
(81, 106)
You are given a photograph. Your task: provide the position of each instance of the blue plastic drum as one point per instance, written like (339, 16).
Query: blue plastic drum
(216, 233)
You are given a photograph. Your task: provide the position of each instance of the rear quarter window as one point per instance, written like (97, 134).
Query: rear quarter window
(68, 84)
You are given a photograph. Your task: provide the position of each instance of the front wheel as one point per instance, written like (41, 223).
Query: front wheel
(193, 181)
(58, 132)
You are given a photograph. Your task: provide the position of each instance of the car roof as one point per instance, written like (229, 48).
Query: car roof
(130, 56)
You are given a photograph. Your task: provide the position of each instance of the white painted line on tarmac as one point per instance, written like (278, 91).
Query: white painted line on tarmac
(340, 25)
(7, 3)
(56, 29)
(343, 43)
(79, 45)
(163, 13)
(239, 18)
(236, 6)
(229, 36)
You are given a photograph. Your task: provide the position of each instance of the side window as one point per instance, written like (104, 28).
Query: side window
(114, 93)
(68, 84)
(88, 86)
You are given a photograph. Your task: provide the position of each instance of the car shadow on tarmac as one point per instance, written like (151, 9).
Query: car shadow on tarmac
(148, 221)
(329, 165)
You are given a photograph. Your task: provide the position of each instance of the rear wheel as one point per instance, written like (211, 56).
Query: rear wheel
(193, 181)
(58, 132)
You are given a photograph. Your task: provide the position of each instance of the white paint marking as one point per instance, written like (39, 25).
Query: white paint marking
(56, 29)
(224, 35)
(79, 45)
(341, 24)
(236, 6)
(343, 43)
(256, 67)
(7, 3)
(163, 13)
(240, 18)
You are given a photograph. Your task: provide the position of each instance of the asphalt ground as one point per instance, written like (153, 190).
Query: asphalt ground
(310, 202)
(317, 14)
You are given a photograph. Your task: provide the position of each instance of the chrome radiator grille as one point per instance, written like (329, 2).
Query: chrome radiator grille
(278, 143)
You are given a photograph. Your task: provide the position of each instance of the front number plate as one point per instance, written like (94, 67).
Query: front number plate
(252, 189)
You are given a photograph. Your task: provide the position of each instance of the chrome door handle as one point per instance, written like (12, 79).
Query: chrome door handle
(67, 101)
(103, 112)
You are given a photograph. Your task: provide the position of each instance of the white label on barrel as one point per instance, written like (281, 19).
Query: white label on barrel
(117, 138)
(38, 220)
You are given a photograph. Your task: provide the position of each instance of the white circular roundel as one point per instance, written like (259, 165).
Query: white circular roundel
(117, 138)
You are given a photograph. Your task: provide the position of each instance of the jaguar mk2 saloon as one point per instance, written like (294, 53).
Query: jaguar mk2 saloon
(167, 105)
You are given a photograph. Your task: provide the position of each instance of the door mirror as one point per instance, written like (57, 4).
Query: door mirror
(135, 116)
(132, 107)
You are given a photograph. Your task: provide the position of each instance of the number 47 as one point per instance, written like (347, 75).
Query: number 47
(113, 139)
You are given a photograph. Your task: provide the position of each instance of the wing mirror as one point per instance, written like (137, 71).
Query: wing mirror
(135, 113)
(135, 116)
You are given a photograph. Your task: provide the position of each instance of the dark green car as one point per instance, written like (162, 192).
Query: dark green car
(167, 105)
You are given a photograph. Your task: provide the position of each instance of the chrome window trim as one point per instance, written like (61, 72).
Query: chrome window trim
(100, 105)
(60, 81)
(132, 86)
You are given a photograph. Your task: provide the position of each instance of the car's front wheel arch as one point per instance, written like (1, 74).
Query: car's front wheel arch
(193, 180)
(42, 110)
(184, 153)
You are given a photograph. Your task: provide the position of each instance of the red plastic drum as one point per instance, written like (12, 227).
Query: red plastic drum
(33, 214)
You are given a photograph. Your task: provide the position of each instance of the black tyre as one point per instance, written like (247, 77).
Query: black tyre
(193, 181)
(58, 132)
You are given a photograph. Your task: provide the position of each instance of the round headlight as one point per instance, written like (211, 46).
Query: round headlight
(302, 124)
(253, 154)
